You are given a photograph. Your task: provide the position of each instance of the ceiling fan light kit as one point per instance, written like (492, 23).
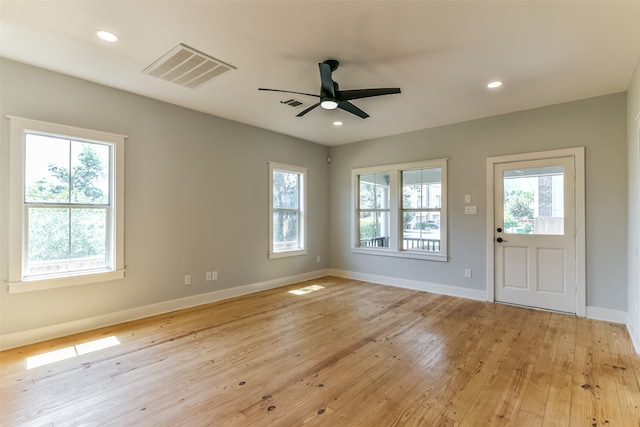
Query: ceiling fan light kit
(331, 97)
(329, 104)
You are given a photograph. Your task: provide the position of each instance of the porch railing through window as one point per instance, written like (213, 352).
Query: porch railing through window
(408, 243)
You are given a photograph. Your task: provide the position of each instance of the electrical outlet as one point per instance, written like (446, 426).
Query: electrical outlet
(214, 275)
(318, 258)
(467, 273)
(208, 276)
(187, 279)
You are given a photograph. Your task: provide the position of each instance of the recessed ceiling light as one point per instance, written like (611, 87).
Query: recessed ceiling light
(337, 123)
(494, 85)
(107, 36)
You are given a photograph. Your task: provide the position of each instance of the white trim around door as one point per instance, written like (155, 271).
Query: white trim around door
(578, 154)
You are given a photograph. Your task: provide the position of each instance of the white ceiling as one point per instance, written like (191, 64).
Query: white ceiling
(440, 53)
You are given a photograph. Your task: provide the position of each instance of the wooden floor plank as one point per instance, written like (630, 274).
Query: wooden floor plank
(349, 354)
(557, 409)
(583, 387)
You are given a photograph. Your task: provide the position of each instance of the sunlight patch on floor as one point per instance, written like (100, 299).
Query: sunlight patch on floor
(69, 352)
(306, 290)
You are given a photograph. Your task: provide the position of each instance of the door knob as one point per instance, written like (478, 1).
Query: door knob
(500, 240)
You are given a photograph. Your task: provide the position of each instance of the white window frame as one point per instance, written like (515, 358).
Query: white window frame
(18, 282)
(395, 190)
(302, 211)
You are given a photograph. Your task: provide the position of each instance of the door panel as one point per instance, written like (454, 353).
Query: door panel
(535, 242)
(516, 265)
(551, 270)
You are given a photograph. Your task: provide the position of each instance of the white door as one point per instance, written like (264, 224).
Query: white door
(535, 233)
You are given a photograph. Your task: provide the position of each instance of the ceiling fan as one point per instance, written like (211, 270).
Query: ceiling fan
(332, 97)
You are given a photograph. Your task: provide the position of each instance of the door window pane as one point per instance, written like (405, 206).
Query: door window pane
(534, 201)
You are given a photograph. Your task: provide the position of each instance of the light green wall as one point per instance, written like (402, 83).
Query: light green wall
(633, 260)
(196, 197)
(599, 124)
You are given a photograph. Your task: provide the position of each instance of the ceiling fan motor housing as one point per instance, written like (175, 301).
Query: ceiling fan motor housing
(332, 63)
(330, 95)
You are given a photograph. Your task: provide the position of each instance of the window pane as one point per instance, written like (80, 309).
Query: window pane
(88, 242)
(534, 201)
(48, 245)
(421, 231)
(421, 188)
(46, 169)
(89, 173)
(285, 231)
(374, 191)
(374, 229)
(286, 187)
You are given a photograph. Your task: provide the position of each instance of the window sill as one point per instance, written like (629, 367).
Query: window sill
(275, 255)
(402, 254)
(64, 281)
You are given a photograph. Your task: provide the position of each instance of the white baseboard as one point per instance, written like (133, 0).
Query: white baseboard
(598, 313)
(413, 284)
(31, 336)
(634, 332)
(617, 316)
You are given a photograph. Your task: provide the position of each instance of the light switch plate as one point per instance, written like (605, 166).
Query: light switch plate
(471, 210)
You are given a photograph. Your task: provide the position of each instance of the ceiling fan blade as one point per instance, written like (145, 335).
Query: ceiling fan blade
(289, 91)
(347, 95)
(302, 113)
(326, 82)
(347, 106)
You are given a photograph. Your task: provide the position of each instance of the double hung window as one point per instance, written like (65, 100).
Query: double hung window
(421, 209)
(287, 210)
(66, 206)
(400, 210)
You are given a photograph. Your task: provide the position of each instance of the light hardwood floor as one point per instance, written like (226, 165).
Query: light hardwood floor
(350, 354)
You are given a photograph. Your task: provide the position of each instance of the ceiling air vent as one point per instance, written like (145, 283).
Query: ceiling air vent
(292, 103)
(187, 67)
